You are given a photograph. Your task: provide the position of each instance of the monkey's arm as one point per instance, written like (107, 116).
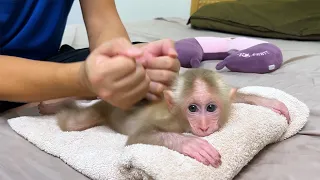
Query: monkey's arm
(273, 104)
(147, 135)
(191, 146)
(245, 98)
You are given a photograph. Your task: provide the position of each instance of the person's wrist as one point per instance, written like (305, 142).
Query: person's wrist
(83, 81)
(72, 76)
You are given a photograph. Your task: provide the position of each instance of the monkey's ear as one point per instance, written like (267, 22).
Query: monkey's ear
(168, 97)
(232, 93)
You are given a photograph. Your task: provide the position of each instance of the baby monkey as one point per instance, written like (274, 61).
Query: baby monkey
(198, 102)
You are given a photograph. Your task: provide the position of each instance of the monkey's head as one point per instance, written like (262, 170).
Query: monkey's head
(202, 98)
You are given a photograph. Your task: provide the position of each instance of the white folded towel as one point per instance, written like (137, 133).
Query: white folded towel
(100, 154)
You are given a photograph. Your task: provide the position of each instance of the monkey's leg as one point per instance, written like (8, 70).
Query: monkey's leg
(75, 118)
(191, 146)
(53, 106)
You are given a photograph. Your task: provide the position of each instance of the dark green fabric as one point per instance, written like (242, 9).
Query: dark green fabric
(299, 20)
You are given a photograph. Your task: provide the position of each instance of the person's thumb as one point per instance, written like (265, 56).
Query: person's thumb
(119, 46)
(168, 48)
(144, 58)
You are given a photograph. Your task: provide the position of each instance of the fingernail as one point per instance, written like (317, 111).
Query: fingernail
(155, 87)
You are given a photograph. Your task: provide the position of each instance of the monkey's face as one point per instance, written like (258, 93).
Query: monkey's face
(203, 110)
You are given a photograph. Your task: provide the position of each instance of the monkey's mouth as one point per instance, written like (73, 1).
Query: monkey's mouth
(203, 134)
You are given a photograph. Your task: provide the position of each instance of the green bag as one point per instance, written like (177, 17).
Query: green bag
(296, 20)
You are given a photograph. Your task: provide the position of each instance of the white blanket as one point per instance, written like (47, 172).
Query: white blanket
(100, 153)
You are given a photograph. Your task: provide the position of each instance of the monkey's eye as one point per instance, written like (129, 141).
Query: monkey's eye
(211, 108)
(192, 108)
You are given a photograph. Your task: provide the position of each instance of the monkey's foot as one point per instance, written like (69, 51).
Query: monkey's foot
(52, 107)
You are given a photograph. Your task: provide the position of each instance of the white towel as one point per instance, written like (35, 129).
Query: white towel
(100, 154)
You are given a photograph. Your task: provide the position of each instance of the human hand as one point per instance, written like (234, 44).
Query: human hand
(160, 60)
(112, 73)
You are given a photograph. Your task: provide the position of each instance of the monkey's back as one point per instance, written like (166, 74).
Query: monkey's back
(150, 115)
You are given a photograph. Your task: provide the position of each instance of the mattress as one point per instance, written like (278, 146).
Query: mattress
(296, 158)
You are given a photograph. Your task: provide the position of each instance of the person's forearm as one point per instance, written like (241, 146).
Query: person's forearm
(23, 80)
(108, 33)
(112, 33)
(102, 22)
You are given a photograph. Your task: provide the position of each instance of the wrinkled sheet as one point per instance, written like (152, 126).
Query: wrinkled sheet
(293, 159)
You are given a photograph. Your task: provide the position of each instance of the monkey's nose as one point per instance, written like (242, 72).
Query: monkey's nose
(204, 129)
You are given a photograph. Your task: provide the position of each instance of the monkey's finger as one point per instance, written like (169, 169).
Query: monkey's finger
(211, 160)
(161, 76)
(285, 112)
(213, 153)
(164, 62)
(196, 155)
(209, 148)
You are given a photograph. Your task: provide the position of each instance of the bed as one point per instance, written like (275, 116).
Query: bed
(296, 158)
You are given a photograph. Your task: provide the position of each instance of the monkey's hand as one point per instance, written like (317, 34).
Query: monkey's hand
(200, 150)
(275, 105)
(191, 146)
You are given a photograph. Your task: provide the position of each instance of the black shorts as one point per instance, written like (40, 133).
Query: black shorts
(66, 54)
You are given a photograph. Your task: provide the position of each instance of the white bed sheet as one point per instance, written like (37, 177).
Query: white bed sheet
(294, 159)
